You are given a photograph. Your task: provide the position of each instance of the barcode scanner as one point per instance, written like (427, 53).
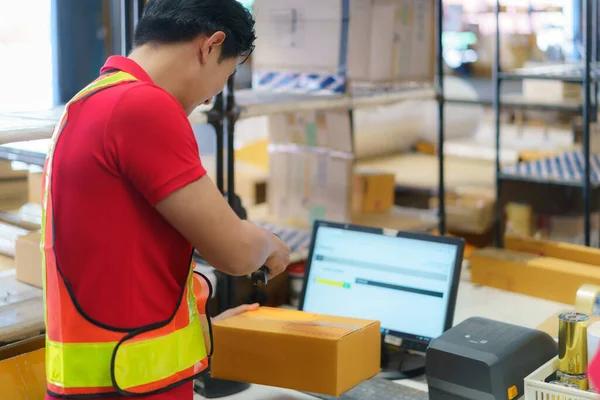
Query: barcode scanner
(260, 277)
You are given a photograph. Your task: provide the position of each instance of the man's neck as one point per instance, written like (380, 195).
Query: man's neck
(165, 71)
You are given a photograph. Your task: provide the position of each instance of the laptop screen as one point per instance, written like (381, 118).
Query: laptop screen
(404, 282)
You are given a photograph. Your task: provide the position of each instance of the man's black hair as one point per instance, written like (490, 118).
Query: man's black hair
(171, 21)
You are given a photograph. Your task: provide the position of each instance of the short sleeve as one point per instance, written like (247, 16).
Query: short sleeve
(151, 143)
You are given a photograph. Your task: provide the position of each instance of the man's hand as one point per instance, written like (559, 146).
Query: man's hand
(236, 311)
(279, 258)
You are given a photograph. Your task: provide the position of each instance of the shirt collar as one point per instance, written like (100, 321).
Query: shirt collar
(126, 65)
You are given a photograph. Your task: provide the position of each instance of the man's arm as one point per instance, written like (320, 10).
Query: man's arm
(201, 214)
(150, 142)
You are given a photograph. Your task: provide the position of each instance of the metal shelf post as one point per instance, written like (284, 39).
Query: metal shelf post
(587, 39)
(441, 106)
(499, 217)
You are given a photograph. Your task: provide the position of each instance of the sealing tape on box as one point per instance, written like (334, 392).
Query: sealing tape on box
(587, 300)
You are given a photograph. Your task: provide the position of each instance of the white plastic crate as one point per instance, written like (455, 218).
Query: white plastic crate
(537, 389)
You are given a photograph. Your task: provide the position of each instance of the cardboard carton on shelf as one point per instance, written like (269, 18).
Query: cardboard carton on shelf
(250, 181)
(13, 193)
(13, 186)
(520, 219)
(386, 41)
(34, 183)
(7, 171)
(523, 221)
(330, 129)
(549, 91)
(28, 259)
(296, 350)
(306, 184)
(398, 218)
(571, 228)
(468, 213)
(9, 234)
(372, 191)
(515, 52)
(310, 166)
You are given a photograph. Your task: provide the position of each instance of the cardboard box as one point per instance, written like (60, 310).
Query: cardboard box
(8, 172)
(23, 370)
(516, 50)
(250, 182)
(467, 213)
(34, 181)
(13, 193)
(8, 237)
(387, 40)
(571, 228)
(13, 186)
(296, 350)
(544, 277)
(28, 258)
(564, 251)
(548, 91)
(398, 218)
(306, 184)
(328, 129)
(373, 191)
(520, 219)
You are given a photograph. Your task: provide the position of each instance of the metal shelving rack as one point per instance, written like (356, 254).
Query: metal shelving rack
(227, 111)
(587, 74)
(242, 109)
(231, 106)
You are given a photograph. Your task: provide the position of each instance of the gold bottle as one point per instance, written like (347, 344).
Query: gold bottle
(572, 349)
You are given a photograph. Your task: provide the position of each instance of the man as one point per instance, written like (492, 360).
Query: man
(127, 198)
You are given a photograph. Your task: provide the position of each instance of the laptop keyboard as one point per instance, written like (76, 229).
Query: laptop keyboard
(376, 389)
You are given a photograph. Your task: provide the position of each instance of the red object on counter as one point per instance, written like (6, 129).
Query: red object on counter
(593, 372)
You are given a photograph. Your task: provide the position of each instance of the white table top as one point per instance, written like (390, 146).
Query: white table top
(472, 301)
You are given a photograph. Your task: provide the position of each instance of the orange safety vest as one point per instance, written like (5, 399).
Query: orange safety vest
(85, 358)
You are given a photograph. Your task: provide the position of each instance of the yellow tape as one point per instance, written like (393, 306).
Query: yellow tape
(585, 300)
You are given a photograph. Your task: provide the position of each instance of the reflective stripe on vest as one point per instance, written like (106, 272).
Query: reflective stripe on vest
(87, 358)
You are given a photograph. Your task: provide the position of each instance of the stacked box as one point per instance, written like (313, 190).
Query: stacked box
(373, 41)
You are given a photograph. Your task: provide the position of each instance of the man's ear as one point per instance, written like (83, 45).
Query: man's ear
(210, 44)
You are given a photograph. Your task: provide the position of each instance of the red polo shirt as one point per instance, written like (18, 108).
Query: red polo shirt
(123, 150)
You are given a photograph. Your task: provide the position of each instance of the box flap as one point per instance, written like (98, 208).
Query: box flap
(22, 370)
(22, 347)
(294, 322)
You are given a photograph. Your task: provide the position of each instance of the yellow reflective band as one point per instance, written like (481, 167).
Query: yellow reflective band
(103, 81)
(140, 363)
(87, 365)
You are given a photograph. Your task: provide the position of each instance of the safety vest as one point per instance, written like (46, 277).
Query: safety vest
(87, 358)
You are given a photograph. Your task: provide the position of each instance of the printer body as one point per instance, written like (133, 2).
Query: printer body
(482, 359)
